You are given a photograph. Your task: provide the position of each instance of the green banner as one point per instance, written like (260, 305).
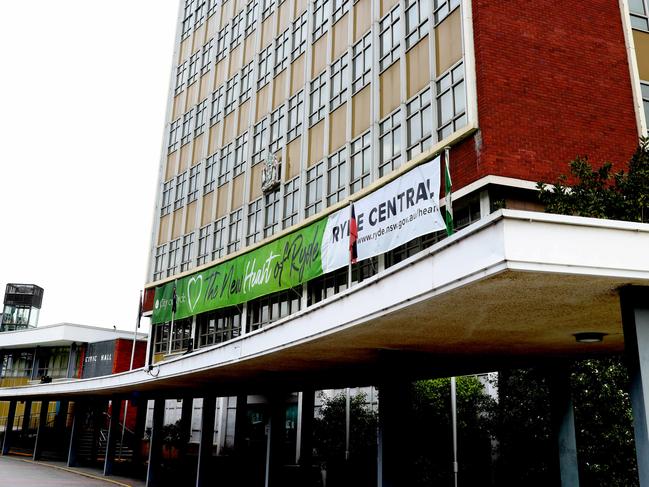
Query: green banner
(279, 265)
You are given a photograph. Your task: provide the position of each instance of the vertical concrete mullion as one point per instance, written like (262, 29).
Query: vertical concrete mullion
(468, 52)
(432, 55)
(375, 104)
(304, 142)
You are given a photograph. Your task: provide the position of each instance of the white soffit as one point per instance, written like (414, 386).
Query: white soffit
(514, 284)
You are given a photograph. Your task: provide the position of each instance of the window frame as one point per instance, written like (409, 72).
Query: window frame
(338, 82)
(390, 25)
(361, 147)
(391, 127)
(295, 116)
(419, 109)
(318, 91)
(362, 50)
(291, 213)
(235, 230)
(337, 166)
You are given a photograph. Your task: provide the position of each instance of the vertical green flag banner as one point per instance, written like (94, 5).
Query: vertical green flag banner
(282, 264)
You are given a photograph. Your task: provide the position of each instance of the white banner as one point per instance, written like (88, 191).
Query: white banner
(335, 241)
(400, 211)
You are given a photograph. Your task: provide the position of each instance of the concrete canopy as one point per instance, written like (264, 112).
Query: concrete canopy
(513, 287)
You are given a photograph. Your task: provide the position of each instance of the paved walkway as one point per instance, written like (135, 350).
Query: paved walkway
(17, 472)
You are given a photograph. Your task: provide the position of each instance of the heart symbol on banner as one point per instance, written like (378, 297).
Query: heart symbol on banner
(195, 283)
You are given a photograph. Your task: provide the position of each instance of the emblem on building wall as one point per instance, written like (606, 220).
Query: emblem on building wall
(270, 173)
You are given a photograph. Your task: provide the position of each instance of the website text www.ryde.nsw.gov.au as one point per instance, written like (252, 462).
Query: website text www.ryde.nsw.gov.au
(428, 210)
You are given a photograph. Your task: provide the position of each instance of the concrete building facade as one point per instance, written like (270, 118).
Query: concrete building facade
(286, 116)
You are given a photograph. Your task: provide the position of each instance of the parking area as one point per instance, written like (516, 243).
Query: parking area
(19, 473)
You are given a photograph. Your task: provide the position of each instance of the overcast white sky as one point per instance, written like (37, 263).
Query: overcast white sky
(83, 91)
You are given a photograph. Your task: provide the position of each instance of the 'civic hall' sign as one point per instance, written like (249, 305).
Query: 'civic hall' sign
(403, 209)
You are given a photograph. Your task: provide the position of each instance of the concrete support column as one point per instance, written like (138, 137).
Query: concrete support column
(140, 425)
(207, 442)
(304, 444)
(40, 433)
(80, 408)
(114, 432)
(97, 408)
(635, 321)
(61, 416)
(391, 451)
(563, 428)
(9, 430)
(26, 416)
(153, 475)
(274, 441)
(240, 424)
(186, 420)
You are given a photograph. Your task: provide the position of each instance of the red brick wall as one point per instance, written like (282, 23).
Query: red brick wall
(553, 83)
(122, 355)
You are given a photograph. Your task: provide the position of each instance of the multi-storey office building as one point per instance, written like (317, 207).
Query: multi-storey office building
(348, 98)
(343, 94)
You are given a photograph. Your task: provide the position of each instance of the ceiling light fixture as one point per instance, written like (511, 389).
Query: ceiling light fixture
(589, 337)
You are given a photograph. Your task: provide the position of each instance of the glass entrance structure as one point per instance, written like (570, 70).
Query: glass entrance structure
(22, 306)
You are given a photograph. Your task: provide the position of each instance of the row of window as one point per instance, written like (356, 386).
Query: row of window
(268, 134)
(292, 42)
(340, 174)
(226, 324)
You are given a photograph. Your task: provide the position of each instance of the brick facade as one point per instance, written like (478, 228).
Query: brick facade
(553, 83)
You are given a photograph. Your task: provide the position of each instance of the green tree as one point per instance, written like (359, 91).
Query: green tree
(430, 432)
(329, 440)
(600, 193)
(603, 415)
(604, 423)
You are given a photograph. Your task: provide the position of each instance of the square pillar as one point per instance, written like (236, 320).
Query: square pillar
(240, 424)
(80, 408)
(563, 427)
(304, 444)
(274, 440)
(140, 425)
(206, 444)
(9, 429)
(635, 322)
(113, 435)
(26, 416)
(393, 403)
(61, 416)
(40, 433)
(153, 475)
(186, 421)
